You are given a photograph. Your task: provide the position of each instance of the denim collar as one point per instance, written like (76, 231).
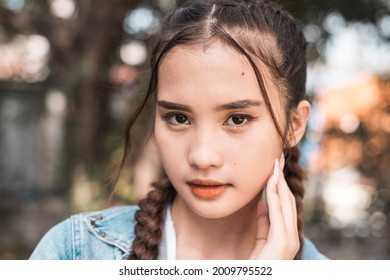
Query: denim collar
(114, 226)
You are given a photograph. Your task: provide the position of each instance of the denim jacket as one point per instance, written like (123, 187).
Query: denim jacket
(104, 235)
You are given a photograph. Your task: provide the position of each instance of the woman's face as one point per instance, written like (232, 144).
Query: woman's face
(215, 137)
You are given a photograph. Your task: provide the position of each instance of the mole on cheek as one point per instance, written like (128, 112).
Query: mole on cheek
(243, 73)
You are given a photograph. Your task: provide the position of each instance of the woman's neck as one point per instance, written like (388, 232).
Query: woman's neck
(231, 237)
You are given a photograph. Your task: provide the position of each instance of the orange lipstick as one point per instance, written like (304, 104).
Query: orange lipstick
(207, 189)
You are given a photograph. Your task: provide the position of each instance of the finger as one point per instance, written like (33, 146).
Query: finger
(276, 218)
(262, 229)
(287, 194)
(288, 205)
(262, 221)
(290, 215)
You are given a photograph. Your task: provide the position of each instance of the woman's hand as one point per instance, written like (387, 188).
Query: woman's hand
(277, 231)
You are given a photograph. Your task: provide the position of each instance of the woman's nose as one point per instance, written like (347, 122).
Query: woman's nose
(205, 151)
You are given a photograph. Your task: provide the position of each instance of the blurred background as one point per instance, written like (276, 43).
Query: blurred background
(72, 71)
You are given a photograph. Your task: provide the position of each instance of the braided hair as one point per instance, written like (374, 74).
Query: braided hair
(268, 36)
(148, 229)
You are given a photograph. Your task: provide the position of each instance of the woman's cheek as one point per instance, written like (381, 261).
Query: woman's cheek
(254, 160)
(171, 147)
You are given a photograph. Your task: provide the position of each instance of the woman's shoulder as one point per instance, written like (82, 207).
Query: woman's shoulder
(105, 234)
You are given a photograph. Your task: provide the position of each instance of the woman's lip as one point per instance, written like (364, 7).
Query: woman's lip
(207, 182)
(207, 189)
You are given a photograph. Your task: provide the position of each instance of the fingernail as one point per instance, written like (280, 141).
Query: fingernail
(275, 175)
(261, 209)
(282, 161)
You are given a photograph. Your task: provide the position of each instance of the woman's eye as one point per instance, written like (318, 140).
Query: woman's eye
(238, 120)
(177, 119)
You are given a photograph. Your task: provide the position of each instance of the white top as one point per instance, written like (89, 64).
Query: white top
(167, 250)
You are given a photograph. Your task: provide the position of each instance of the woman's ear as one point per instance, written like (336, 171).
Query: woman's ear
(299, 119)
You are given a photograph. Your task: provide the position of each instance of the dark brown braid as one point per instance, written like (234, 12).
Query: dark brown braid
(250, 27)
(295, 175)
(149, 218)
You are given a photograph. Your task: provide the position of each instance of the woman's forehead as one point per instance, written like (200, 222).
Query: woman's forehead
(197, 63)
(215, 48)
(212, 59)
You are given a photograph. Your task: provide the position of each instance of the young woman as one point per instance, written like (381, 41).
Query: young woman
(228, 83)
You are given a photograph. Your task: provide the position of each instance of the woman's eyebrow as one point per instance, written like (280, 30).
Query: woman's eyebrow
(173, 106)
(240, 104)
